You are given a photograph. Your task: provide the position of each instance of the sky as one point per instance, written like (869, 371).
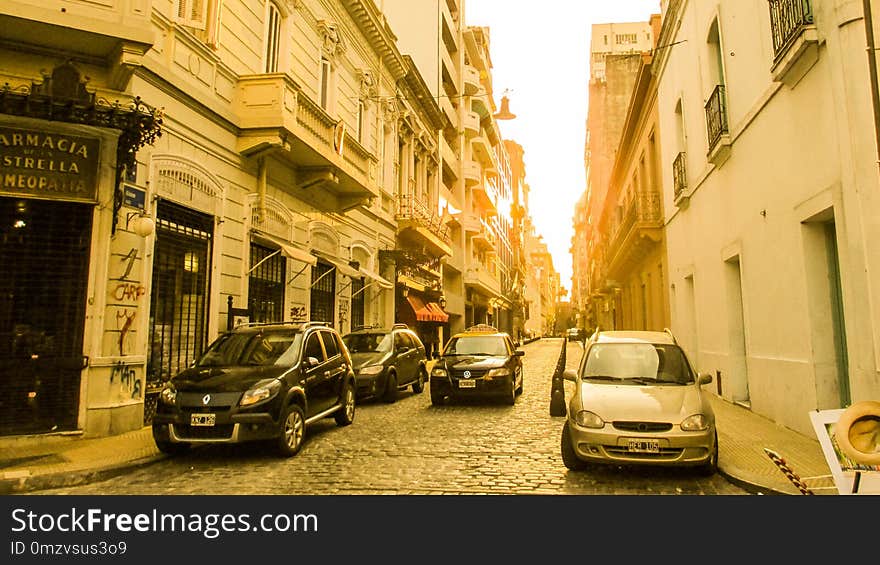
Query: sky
(541, 57)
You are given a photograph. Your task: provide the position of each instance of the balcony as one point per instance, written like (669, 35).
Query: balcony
(679, 177)
(448, 109)
(480, 278)
(484, 238)
(480, 105)
(450, 159)
(795, 40)
(483, 151)
(332, 170)
(470, 122)
(471, 80)
(634, 236)
(716, 126)
(118, 32)
(471, 172)
(419, 225)
(484, 195)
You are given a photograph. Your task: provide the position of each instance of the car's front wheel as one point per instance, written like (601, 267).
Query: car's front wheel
(345, 415)
(390, 394)
(711, 466)
(166, 446)
(419, 385)
(569, 456)
(293, 431)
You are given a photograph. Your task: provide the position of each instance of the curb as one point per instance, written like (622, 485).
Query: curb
(32, 483)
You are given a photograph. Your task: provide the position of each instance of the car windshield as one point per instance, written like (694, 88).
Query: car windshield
(368, 342)
(476, 345)
(637, 363)
(253, 349)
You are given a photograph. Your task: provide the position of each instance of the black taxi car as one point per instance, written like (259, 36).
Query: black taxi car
(258, 382)
(386, 360)
(481, 361)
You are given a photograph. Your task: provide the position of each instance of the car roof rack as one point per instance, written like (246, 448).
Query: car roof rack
(400, 326)
(669, 332)
(364, 327)
(264, 324)
(595, 335)
(310, 324)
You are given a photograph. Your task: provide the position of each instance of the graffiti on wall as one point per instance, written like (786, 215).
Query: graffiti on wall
(129, 383)
(299, 313)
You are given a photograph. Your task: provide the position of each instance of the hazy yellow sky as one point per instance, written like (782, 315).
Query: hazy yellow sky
(540, 53)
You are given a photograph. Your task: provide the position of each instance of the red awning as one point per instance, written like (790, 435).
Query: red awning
(430, 312)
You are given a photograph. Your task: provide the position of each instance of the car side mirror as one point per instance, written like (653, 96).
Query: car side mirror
(570, 375)
(520, 353)
(704, 378)
(403, 349)
(310, 362)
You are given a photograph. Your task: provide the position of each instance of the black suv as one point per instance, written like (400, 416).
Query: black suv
(386, 360)
(481, 361)
(258, 382)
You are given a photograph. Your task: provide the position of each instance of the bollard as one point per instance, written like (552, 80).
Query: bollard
(557, 390)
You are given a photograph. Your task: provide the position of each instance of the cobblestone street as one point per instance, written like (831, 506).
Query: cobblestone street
(412, 447)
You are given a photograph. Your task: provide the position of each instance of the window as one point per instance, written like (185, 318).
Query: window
(266, 284)
(313, 348)
(625, 38)
(330, 345)
(322, 294)
(357, 303)
(361, 120)
(192, 13)
(326, 75)
(273, 38)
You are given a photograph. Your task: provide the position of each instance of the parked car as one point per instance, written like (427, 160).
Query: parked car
(637, 400)
(480, 361)
(386, 360)
(258, 382)
(573, 334)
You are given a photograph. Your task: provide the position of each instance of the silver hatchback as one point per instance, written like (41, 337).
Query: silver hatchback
(638, 401)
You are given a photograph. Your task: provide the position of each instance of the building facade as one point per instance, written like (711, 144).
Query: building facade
(771, 200)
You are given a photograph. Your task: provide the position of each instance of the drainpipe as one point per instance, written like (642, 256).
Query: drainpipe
(261, 187)
(872, 72)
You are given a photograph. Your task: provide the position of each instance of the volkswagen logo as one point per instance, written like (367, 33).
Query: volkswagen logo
(206, 399)
(467, 374)
(643, 427)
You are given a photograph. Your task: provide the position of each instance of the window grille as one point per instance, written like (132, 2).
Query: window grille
(266, 284)
(357, 303)
(323, 293)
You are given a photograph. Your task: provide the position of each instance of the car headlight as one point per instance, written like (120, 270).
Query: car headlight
(499, 372)
(371, 370)
(260, 392)
(438, 372)
(695, 423)
(168, 395)
(587, 419)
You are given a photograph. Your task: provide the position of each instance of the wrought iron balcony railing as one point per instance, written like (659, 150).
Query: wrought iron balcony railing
(787, 17)
(716, 116)
(679, 173)
(413, 209)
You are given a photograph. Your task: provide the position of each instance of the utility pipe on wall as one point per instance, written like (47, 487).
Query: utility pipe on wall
(872, 73)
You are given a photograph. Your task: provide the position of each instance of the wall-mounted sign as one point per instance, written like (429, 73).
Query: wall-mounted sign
(133, 196)
(49, 165)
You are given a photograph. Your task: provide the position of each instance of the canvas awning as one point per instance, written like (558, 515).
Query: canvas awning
(288, 249)
(341, 265)
(376, 278)
(427, 312)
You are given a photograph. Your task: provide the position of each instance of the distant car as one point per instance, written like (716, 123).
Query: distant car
(386, 360)
(573, 334)
(638, 401)
(480, 361)
(258, 382)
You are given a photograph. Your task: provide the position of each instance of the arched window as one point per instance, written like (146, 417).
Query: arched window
(273, 38)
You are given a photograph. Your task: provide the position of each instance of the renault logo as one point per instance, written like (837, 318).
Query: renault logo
(206, 399)
(467, 374)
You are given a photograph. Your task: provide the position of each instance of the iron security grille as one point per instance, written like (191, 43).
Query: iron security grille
(44, 252)
(357, 303)
(266, 284)
(178, 311)
(323, 291)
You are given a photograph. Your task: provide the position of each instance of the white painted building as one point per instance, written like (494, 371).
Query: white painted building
(772, 200)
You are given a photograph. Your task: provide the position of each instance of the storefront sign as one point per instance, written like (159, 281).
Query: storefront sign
(51, 165)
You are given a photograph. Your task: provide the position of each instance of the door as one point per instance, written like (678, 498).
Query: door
(44, 255)
(318, 387)
(336, 366)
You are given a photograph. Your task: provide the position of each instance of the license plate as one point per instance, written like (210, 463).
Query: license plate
(467, 384)
(643, 445)
(202, 419)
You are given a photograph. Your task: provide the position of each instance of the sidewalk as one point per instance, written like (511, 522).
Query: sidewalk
(33, 463)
